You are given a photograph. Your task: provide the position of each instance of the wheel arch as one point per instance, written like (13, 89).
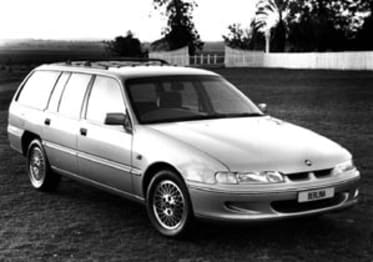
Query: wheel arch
(27, 138)
(153, 169)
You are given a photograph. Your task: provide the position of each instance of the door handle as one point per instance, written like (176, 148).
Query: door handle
(47, 121)
(83, 131)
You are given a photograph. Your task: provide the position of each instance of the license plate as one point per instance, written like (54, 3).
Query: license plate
(314, 195)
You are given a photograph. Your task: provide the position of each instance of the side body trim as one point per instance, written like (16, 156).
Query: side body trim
(100, 185)
(92, 158)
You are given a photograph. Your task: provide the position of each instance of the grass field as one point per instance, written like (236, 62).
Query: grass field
(78, 223)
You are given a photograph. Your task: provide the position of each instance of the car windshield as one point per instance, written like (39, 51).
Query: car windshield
(187, 98)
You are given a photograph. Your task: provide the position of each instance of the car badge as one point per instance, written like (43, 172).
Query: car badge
(308, 162)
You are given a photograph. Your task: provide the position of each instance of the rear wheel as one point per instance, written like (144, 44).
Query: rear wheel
(168, 204)
(40, 174)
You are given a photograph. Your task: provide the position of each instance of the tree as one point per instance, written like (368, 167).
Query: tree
(364, 40)
(127, 46)
(311, 25)
(315, 34)
(321, 25)
(180, 30)
(238, 37)
(269, 18)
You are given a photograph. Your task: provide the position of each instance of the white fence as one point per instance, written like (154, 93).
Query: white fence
(242, 58)
(330, 60)
(175, 57)
(181, 57)
(207, 60)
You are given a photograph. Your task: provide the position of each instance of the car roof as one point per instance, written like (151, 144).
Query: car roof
(129, 72)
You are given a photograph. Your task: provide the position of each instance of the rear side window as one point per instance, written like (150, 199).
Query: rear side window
(106, 97)
(37, 89)
(73, 95)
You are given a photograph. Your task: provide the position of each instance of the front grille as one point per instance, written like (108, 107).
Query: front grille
(323, 173)
(306, 175)
(299, 176)
(292, 206)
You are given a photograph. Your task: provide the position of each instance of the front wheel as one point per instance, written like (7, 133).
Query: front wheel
(168, 205)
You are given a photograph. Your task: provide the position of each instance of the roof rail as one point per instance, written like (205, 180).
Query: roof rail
(118, 62)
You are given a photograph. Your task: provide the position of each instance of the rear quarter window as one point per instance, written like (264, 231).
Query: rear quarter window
(36, 91)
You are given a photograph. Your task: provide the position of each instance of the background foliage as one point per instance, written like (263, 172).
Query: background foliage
(180, 30)
(311, 25)
(127, 46)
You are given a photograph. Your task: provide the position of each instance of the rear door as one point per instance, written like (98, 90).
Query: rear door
(105, 151)
(61, 123)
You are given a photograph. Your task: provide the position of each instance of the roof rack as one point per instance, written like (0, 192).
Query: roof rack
(116, 62)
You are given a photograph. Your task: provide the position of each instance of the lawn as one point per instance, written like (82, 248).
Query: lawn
(79, 223)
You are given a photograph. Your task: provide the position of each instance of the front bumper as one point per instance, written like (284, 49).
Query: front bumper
(270, 204)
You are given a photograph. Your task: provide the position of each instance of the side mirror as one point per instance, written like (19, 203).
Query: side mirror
(263, 107)
(118, 119)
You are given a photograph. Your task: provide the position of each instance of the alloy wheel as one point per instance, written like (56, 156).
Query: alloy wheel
(36, 167)
(169, 205)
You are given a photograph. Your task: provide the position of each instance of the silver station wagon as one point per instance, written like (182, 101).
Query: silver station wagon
(184, 142)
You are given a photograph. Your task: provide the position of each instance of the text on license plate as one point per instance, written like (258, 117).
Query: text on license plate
(313, 195)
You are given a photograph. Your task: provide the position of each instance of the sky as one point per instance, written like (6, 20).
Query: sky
(105, 19)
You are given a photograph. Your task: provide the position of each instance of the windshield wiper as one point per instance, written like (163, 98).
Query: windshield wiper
(217, 116)
(202, 117)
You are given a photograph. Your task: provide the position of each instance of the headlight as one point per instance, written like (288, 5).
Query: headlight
(343, 167)
(226, 178)
(264, 177)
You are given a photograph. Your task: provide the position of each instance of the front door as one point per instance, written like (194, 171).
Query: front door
(105, 151)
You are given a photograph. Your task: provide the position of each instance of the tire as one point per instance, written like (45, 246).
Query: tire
(38, 169)
(168, 204)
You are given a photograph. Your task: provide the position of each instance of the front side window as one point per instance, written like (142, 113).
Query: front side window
(105, 97)
(37, 89)
(186, 98)
(73, 95)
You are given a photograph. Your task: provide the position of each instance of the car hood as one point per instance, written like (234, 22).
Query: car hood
(258, 143)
